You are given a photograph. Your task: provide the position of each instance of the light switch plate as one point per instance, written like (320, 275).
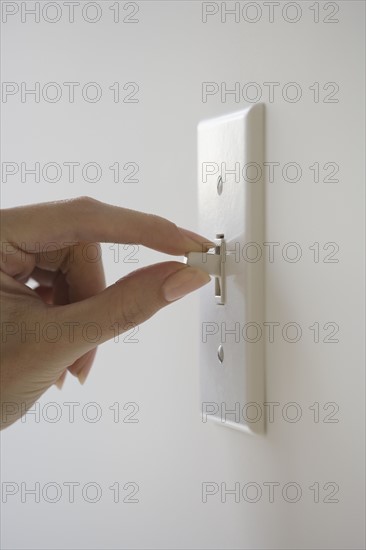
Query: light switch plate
(232, 340)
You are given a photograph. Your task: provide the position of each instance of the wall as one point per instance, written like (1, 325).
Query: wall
(169, 453)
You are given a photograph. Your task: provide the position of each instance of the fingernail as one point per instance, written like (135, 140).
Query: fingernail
(60, 382)
(83, 374)
(183, 282)
(204, 244)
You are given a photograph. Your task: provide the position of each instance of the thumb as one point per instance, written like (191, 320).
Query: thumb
(127, 303)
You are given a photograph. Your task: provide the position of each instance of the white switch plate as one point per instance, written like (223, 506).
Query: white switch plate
(233, 142)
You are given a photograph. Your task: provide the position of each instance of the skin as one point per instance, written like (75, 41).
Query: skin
(49, 243)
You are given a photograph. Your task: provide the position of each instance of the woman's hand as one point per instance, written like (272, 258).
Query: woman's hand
(42, 329)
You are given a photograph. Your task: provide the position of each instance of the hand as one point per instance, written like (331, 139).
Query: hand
(42, 329)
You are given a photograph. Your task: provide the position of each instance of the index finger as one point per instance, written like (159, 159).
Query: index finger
(89, 220)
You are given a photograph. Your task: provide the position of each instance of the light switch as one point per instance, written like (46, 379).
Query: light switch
(231, 213)
(214, 264)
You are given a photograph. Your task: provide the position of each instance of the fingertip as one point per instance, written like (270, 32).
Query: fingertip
(60, 382)
(183, 282)
(196, 242)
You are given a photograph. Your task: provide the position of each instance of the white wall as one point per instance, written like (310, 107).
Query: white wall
(170, 452)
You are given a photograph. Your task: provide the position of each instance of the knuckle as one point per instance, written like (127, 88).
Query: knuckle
(130, 313)
(128, 307)
(85, 202)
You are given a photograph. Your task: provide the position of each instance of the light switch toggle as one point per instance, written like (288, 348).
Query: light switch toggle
(212, 263)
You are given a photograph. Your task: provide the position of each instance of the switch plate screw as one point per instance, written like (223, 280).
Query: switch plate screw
(220, 185)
